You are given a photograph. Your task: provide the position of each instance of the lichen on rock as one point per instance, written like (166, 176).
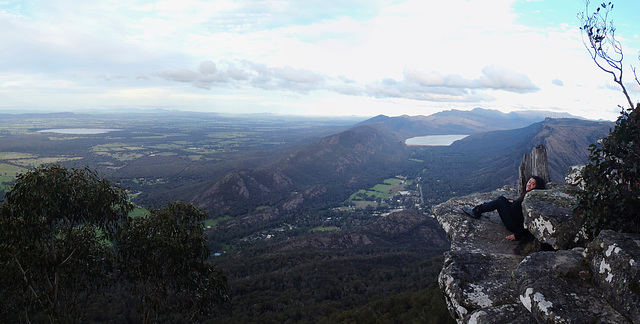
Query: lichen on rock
(487, 279)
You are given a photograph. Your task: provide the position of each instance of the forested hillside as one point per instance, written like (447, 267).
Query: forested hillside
(382, 271)
(324, 172)
(327, 171)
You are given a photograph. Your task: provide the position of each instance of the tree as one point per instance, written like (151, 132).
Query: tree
(162, 256)
(55, 227)
(604, 48)
(610, 198)
(65, 237)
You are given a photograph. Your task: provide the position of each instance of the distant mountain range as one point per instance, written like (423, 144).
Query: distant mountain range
(461, 121)
(330, 169)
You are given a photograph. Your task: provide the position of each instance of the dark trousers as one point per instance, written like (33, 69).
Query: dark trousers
(510, 213)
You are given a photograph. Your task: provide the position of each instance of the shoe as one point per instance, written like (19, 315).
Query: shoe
(471, 212)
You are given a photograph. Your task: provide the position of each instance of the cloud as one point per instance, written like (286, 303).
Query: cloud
(414, 91)
(178, 75)
(557, 82)
(434, 86)
(206, 76)
(501, 78)
(247, 74)
(207, 68)
(494, 77)
(416, 85)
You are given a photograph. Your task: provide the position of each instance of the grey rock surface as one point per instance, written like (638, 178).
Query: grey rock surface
(556, 288)
(475, 283)
(476, 276)
(614, 259)
(487, 279)
(533, 164)
(549, 217)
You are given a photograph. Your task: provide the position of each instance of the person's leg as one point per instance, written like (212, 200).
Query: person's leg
(501, 204)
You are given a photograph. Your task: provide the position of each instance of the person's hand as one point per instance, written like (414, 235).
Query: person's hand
(511, 237)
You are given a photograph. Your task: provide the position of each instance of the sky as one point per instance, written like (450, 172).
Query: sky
(309, 57)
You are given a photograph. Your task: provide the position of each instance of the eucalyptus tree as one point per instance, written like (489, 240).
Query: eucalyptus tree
(66, 239)
(56, 227)
(163, 258)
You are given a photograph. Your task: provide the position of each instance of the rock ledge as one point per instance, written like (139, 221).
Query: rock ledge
(487, 279)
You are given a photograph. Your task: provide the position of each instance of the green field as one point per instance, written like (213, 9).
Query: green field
(324, 229)
(138, 212)
(370, 197)
(8, 173)
(214, 222)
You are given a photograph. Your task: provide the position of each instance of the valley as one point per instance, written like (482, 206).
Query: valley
(312, 220)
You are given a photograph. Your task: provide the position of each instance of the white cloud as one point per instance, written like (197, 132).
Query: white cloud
(497, 77)
(399, 53)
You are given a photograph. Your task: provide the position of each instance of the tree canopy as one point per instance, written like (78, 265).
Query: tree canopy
(66, 238)
(162, 256)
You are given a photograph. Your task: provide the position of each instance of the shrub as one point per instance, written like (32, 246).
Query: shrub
(611, 197)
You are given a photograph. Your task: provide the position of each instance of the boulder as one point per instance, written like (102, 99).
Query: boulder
(556, 288)
(476, 283)
(614, 259)
(549, 216)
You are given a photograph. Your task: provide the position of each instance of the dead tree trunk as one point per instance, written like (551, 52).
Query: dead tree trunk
(534, 164)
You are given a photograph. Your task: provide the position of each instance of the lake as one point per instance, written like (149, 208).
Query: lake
(80, 131)
(434, 140)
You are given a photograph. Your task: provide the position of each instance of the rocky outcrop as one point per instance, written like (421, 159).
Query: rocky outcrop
(555, 277)
(555, 287)
(476, 274)
(534, 164)
(549, 217)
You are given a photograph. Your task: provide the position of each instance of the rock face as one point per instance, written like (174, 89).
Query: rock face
(534, 164)
(555, 287)
(549, 217)
(487, 279)
(614, 260)
(476, 274)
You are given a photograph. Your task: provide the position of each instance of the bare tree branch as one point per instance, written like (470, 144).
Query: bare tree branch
(601, 43)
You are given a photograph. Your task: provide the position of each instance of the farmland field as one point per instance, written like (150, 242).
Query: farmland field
(161, 156)
(375, 195)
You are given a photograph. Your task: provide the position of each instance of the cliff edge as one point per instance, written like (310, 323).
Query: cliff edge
(554, 277)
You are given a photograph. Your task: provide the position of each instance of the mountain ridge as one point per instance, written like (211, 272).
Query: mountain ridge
(330, 169)
(565, 139)
(461, 121)
(309, 172)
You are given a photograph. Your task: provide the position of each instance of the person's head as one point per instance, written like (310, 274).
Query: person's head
(535, 182)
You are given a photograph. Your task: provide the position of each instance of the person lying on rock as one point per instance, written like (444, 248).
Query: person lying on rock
(510, 211)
